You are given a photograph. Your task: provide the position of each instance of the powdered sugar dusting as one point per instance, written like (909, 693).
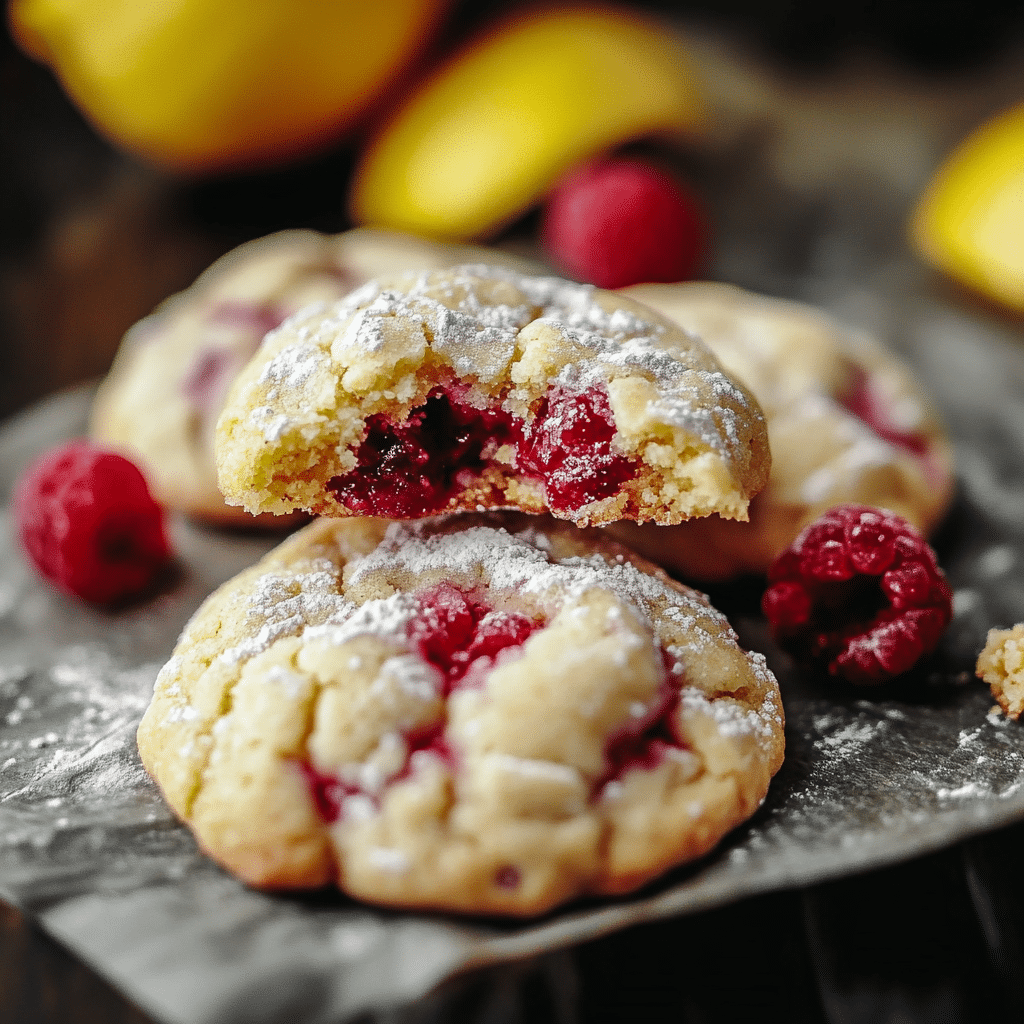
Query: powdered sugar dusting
(285, 605)
(479, 340)
(385, 618)
(730, 717)
(511, 564)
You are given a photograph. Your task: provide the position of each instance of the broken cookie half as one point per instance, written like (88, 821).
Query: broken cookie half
(481, 388)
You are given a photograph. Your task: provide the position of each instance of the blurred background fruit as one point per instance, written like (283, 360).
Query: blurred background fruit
(622, 221)
(201, 86)
(484, 138)
(970, 219)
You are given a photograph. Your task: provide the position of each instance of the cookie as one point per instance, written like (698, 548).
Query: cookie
(847, 420)
(1001, 666)
(486, 713)
(160, 401)
(480, 387)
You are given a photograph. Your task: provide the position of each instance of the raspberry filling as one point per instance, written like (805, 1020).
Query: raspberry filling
(644, 743)
(89, 523)
(208, 377)
(327, 790)
(462, 638)
(416, 467)
(258, 317)
(862, 401)
(569, 446)
(860, 592)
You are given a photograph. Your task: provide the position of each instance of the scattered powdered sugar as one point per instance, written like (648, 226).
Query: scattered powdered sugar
(850, 737)
(293, 366)
(967, 791)
(406, 675)
(271, 424)
(473, 350)
(384, 617)
(682, 385)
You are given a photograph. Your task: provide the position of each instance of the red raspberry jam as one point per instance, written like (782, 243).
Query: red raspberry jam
(207, 379)
(327, 791)
(416, 467)
(644, 742)
(860, 592)
(430, 739)
(461, 636)
(258, 317)
(862, 401)
(508, 877)
(89, 523)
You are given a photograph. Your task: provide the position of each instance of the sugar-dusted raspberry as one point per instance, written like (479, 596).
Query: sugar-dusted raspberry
(623, 221)
(89, 523)
(569, 447)
(860, 591)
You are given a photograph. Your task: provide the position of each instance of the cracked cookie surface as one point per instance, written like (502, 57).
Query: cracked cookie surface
(479, 388)
(480, 713)
(848, 422)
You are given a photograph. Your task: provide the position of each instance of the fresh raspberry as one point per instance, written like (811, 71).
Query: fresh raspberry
(860, 591)
(89, 524)
(623, 221)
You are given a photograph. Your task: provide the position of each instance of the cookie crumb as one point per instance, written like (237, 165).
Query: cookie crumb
(1001, 666)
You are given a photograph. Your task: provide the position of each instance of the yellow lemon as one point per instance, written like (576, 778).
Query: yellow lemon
(482, 139)
(970, 220)
(202, 85)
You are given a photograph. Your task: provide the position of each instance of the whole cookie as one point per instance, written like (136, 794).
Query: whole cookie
(479, 387)
(479, 713)
(847, 421)
(160, 402)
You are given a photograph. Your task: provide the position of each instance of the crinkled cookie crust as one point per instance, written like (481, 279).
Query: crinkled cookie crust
(298, 412)
(302, 667)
